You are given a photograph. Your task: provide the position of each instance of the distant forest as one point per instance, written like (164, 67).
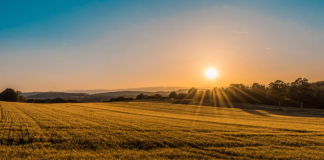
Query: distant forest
(299, 93)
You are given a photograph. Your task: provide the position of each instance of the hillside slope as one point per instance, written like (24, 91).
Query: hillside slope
(147, 130)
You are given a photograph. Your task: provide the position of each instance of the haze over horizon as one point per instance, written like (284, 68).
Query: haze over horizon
(68, 45)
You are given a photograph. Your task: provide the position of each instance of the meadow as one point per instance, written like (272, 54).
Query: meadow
(157, 130)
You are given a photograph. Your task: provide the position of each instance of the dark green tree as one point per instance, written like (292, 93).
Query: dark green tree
(10, 95)
(173, 95)
(59, 100)
(238, 86)
(278, 91)
(157, 96)
(182, 96)
(301, 91)
(192, 93)
(21, 97)
(258, 89)
(208, 94)
(140, 96)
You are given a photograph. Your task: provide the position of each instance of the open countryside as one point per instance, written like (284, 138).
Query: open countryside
(159, 130)
(162, 79)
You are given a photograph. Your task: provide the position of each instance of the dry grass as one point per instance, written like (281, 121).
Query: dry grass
(153, 130)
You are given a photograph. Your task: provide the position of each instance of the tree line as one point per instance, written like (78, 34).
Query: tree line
(10, 95)
(297, 93)
(55, 100)
(141, 96)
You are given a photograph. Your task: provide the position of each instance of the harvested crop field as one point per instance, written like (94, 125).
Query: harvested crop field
(156, 130)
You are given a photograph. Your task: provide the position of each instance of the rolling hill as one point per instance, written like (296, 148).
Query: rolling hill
(156, 130)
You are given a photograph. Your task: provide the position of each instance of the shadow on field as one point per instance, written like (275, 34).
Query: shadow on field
(255, 108)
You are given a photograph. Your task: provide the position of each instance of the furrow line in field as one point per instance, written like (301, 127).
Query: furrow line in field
(120, 124)
(4, 122)
(32, 128)
(36, 114)
(9, 131)
(177, 116)
(13, 130)
(3, 117)
(37, 129)
(159, 117)
(217, 155)
(17, 131)
(93, 130)
(189, 109)
(183, 110)
(33, 118)
(67, 133)
(44, 131)
(206, 112)
(7, 121)
(270, 121)
(95, 120)
(51, 113)
(1, 110)
(58, 114)
(23, 123)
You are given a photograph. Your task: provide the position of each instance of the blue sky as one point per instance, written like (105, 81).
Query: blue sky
(38, 23)
(97, 44)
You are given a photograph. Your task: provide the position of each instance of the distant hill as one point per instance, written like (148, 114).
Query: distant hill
(51, 95)
(128, 94)
(94, 91)
(84, 97)
(31, 93)
(143, 89)
(105, 95)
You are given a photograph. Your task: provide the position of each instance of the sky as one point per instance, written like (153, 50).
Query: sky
(112, 44)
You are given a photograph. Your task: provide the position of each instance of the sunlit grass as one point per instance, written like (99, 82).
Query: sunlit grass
(147, 130)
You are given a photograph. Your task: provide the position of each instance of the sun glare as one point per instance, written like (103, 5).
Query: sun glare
(211, 73)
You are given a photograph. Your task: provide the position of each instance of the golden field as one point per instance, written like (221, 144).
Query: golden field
(156, 130)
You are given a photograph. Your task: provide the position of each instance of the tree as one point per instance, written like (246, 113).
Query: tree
(208, 94)
(157, 96)
(182, 96)
(58, 100)
(21, 97)
(173, 95)
(238, 93)
(259, 92)
(199, 95)
(320, 97)
(121, 98)
(217, 94)
(278, 91)
(192, 93)
(72, 100)
(259, 89)
(10, 95)
(140, 96)
(238, 86)
(301, 91)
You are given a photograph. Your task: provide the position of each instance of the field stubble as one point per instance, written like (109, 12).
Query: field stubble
(146, 130)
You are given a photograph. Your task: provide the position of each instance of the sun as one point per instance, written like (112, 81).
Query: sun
(211, 73)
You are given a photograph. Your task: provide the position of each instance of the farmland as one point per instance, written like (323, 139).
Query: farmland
(156, 130)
